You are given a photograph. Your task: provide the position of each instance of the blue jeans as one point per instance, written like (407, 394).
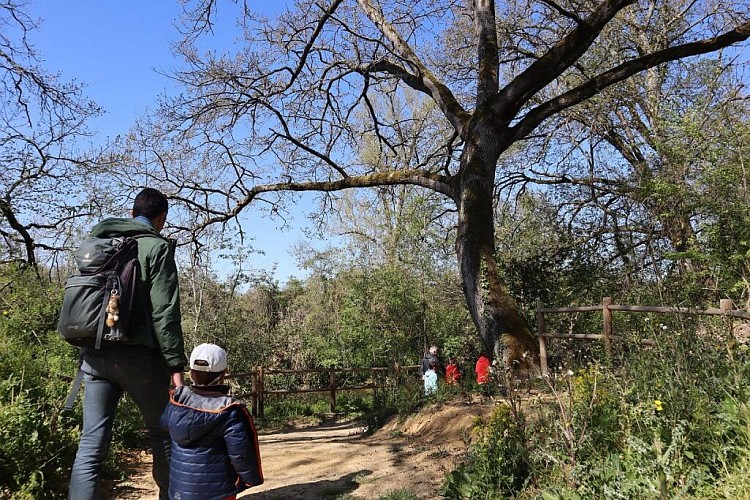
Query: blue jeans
(139, 371)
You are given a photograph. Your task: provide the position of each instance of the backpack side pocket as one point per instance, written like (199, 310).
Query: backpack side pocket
(84, 301)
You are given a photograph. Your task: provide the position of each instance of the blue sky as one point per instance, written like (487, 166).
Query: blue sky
(117, 48)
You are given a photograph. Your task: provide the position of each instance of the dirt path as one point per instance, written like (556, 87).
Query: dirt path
(338, 458)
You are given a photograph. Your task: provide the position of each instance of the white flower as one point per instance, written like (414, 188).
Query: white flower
(570, 373)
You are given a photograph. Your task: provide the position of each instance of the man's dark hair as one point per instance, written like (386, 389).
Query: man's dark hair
(150, 203)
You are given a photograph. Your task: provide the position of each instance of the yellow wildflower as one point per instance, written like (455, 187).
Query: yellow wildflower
(658, 405)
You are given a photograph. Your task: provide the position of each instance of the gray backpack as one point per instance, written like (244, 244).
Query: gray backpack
(98, 300)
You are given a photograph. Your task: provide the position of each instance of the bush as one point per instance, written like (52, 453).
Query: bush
(499, 462)
(38, 441)
(667, 421)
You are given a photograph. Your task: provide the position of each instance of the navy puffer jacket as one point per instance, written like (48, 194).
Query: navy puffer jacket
(214, 444)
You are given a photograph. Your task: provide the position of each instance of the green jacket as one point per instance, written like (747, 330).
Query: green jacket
(158, 280)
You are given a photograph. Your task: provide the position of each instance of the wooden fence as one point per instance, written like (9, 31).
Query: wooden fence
(726, 309)
(378, 380)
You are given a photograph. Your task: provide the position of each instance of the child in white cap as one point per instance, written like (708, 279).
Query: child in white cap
(214, 443)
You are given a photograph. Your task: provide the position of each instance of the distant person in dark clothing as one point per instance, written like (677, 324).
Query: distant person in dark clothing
(430, 357)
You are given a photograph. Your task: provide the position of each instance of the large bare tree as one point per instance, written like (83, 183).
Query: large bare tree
(274, 113)
(43, 185)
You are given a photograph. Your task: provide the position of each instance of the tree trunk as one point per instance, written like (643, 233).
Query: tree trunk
(495, 313)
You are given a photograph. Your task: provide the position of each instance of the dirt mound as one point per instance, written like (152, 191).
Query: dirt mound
(448, 424)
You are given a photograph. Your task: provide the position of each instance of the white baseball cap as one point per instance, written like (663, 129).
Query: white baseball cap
(208, 358)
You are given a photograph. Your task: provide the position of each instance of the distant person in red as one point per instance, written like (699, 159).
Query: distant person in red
(482, 369)
(452, 372)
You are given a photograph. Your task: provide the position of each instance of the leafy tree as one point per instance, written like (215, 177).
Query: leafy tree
(724, 228)
(543, 259)
(275, 115)
(240, 312)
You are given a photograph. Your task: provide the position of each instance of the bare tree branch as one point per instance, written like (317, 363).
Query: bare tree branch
(625, 70)
(424, 78)
(435, 182)
(559, 58)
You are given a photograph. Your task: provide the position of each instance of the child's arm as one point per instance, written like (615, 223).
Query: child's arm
(242, 447)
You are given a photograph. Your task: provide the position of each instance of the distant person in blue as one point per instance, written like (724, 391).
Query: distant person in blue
(430, 379)
(215, 451)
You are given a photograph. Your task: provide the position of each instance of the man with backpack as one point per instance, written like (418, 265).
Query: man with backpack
(143, 361)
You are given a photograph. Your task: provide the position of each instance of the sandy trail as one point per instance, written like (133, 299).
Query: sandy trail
(334, 459)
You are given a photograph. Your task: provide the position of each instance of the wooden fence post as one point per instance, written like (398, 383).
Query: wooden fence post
(254, 386)
(542, 341)
(607, 317)
(726, 305)
(260, 392)
(333, 390)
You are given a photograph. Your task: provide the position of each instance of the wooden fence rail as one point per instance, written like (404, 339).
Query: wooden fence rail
(726, 309)
(258, 376)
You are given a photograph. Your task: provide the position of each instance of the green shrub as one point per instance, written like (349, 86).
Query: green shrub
(38, 441)
(499, 462)
(279, 411)
(405, 399)
(668, 422)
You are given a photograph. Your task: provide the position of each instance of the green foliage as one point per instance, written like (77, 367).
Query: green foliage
(37, 442)
(294, 408)
(243, 323)
(499, 464)
(314, 408)
(540, 259)
(668, 423)
(368, 317)
(405, 399)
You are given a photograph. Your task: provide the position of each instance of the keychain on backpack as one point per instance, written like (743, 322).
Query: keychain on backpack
(113, 309)
(113, 316)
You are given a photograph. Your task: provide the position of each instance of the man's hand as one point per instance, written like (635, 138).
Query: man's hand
(177, 379)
